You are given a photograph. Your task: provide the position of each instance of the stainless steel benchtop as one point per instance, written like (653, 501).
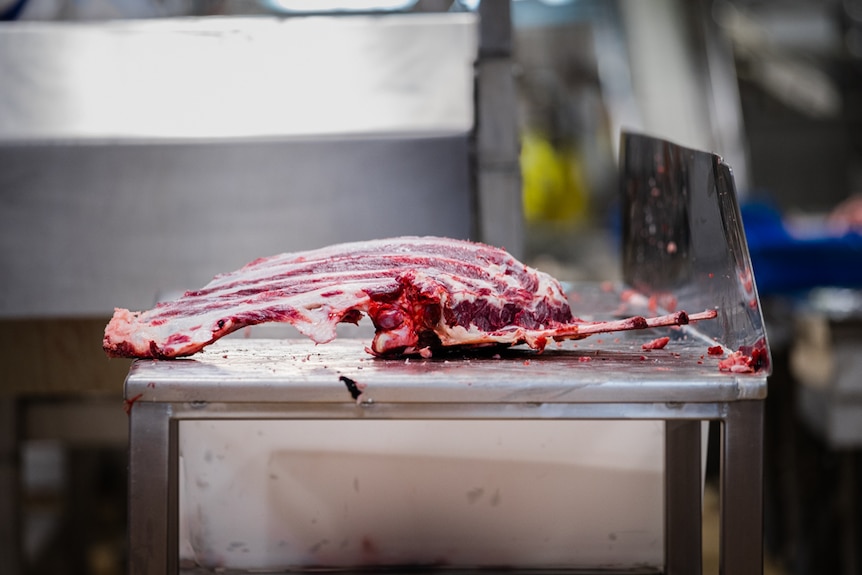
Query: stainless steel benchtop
(613, 368)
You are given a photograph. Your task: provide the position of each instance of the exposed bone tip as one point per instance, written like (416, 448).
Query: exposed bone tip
(707, 314)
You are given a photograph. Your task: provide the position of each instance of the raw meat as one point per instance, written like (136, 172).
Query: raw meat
(657, 343)
(423, 294)
(747, 359)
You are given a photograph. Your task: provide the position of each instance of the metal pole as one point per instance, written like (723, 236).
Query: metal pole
(741, 490)
(150, 489)
(10, 487)
(683, 500)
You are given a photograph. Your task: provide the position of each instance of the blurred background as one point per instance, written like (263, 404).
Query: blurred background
(146, 145)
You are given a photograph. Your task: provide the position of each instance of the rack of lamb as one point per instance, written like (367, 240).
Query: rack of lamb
(423, 295)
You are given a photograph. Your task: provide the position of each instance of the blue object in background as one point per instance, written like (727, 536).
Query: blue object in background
(784, 263)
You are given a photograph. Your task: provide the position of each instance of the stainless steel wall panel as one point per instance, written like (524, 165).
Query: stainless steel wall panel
(85, 228)
(237, 77)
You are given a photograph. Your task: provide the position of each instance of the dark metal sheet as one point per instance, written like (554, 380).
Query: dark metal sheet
(682, 236)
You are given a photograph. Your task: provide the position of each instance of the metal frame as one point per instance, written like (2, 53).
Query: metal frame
(10, 486)
(735, 401)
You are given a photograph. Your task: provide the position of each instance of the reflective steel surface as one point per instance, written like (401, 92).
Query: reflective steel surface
(682, 236)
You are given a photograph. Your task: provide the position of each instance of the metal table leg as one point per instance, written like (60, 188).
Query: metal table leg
(10, 483)
(683, 499)
(741, 489)
(152, 494)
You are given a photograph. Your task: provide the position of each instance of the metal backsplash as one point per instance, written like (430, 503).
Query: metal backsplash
(682, 237)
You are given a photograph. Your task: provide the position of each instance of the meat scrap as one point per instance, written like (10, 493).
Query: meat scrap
(423, 294)
(657, 343)
(747, 359)
(129, 403)
(736, 362)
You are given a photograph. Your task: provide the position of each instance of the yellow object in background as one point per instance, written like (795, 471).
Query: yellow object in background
(554, 184)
